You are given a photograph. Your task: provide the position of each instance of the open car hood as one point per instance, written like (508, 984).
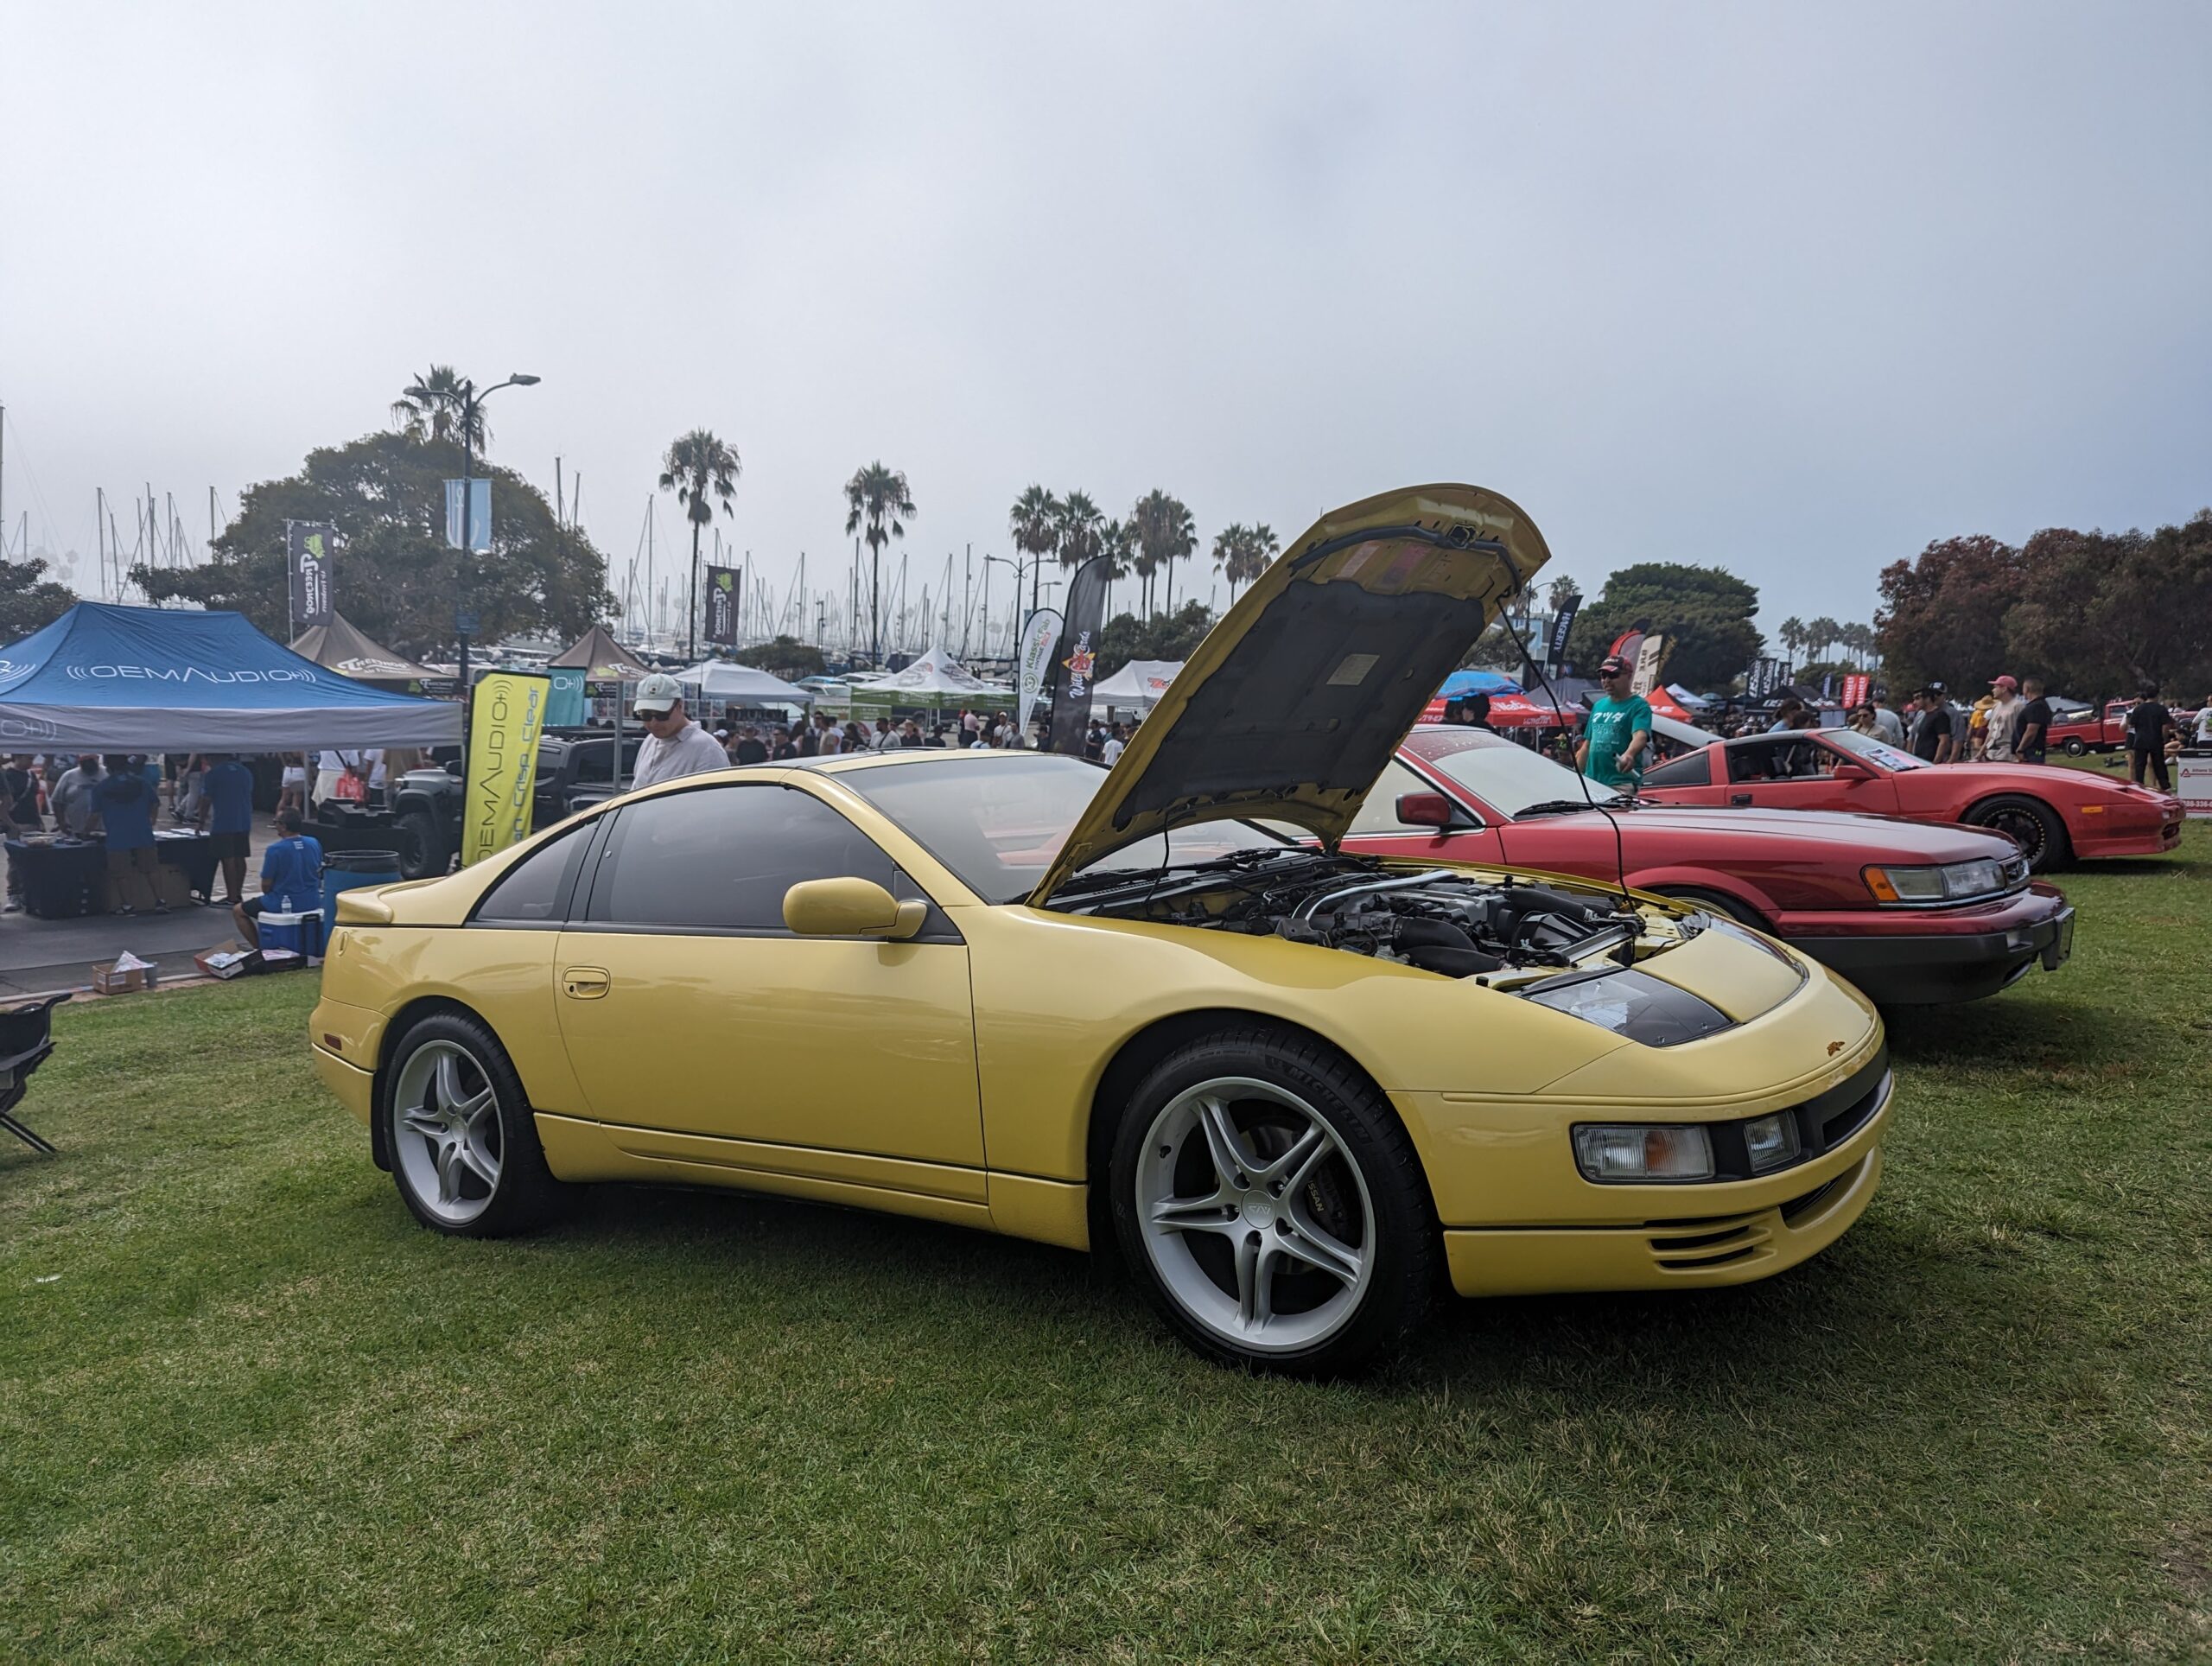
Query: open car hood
(1295, 702)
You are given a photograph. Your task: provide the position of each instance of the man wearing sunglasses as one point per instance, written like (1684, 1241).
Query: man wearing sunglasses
(674, 746)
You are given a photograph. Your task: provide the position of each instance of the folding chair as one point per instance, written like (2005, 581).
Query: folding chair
(26, 1038)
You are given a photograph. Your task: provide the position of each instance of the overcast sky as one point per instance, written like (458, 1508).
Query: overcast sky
(1791, 293)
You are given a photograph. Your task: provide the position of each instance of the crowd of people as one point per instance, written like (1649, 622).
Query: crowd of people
(123, 800)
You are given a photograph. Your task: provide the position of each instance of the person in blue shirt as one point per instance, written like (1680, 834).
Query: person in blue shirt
(291, 877)
(226, 811)
(1616, 734)
(125, 805)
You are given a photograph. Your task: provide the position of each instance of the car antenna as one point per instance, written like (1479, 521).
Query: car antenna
(1620, 848)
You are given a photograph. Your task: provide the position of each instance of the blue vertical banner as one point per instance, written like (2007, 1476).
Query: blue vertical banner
(477, 533)
(564, 705)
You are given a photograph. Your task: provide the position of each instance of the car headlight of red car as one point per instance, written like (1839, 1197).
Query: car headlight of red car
(1957, 882)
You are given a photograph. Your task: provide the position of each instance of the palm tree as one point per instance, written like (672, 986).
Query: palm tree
(1242, 554)
(1166, 535)
(435, 405)
(699, 467)
(879, 497)
(1078, 531)
(1117, 543)
(1035, 513)
(1792, 633)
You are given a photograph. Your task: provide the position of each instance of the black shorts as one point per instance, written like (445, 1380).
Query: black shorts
(229, 845)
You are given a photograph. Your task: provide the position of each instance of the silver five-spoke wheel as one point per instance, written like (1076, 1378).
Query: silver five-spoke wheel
(1255, 1215)
(447, 1139)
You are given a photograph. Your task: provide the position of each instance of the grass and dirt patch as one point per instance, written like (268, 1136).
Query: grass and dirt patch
(248, 1408)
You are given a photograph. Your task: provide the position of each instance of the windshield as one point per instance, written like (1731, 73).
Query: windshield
(1878, 752)
(1505, 775)
(998, 824)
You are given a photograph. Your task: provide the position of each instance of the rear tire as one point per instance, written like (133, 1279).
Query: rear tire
(1271, 1206)
(2029, 823)
(464, 1147)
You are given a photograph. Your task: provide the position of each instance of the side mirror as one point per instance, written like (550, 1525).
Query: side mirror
(851, 907)
(455, 768)
(1847, 771)
(1430, 810)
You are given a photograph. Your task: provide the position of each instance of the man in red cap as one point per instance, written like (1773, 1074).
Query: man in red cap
(2004, 728)
(1617, 732)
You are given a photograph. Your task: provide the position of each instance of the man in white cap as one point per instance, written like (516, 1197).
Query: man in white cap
(674, 746)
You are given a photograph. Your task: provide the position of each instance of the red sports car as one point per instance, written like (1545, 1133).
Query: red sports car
(2053, 814)
(1913, 915)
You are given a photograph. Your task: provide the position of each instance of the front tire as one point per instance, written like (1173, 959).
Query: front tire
(2075, 747)
(2029, 823)
(465, 1151)
(1271, 1206)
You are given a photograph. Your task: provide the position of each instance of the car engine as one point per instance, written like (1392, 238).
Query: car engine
(1441, 920)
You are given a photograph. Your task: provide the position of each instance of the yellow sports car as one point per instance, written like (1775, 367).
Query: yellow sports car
(1138, 1005)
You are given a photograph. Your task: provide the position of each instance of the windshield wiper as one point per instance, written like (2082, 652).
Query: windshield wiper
(1098, 878)
(1561, 806)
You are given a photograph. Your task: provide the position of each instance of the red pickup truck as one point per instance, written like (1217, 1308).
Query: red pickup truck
(2091, 731)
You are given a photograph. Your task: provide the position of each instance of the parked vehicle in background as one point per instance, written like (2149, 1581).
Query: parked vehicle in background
(2053, 815)
(422, 824)
(2092, 730)
(1913, 916)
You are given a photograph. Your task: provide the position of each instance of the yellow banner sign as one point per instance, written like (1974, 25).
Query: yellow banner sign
(505, 712)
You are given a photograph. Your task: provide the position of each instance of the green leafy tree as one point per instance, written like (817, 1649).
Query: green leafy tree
(1705, 612)
(1942, 614)
(29, 600)
(2099, 613)
(394, 577)
(786, 657)
(701, 469)
(1172, 636)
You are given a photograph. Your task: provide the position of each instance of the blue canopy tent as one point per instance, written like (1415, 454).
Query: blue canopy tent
(105, 678)
(1460, 683)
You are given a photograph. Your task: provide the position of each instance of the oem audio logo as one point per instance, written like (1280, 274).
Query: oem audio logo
(181, 674)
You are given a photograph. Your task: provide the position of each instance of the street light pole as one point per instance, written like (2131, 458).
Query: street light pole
(470, 400)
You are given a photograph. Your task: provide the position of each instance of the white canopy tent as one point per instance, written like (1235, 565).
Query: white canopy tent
(742, 685)
(936, 681)
(1136, 687)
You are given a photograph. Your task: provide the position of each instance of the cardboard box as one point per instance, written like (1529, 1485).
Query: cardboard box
(107, 981)
(231, 959)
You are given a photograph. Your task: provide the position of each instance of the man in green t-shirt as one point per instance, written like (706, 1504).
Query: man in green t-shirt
(1617, 736)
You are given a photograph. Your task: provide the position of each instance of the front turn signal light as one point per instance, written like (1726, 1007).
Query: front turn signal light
(1615, 1152)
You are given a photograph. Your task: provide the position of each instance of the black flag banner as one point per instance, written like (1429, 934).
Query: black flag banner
(308, 549)
(721, 604)
(1075, 665)
(1562, 628)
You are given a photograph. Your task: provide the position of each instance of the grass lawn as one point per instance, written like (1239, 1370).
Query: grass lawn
(248, 1407)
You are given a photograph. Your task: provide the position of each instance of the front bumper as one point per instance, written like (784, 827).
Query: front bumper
(1934, 969)
(1675, 1252)
(2133, 835)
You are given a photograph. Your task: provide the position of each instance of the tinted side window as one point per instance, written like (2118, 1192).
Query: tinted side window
(723, 858)
(536, 890)
(1691, 769)
(1379, 814)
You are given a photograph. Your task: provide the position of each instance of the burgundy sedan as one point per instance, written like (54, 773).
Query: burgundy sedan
(1912, 915)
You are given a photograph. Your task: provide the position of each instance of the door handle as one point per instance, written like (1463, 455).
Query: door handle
(584, 982)
(1739, 798)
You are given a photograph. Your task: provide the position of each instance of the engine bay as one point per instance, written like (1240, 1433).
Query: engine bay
(1498, 929)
